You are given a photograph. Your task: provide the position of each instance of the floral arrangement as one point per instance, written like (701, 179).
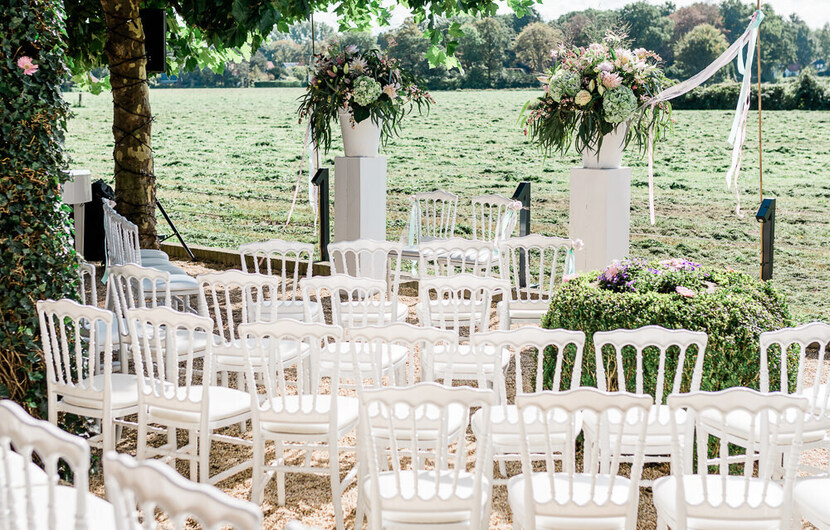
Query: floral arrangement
(591, 91)
(369, 85)
(677, 275)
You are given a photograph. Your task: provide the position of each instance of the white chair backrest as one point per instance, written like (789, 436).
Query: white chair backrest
(235, 297)
(433, 215)
(368, 258)
(369, 344)
(390, 434)
(563, 346)
(280, 258)
(131, 286)
(446, 257)
(644, 341)
(87, 279)
(800, 338)
(121, 238)
(33, 505)
(535, 264)
(287, 375)
(354, 301)
(774, 421)
(151, 486)
(167, 338)
(460, 301)
(77, 345)
(494, 217)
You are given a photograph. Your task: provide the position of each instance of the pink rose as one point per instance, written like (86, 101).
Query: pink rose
(28, 66)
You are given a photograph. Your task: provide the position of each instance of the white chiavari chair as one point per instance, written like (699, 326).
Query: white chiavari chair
(731, 491)
(432, 216)
(595, 495)
(142, 491)
(447, 257)
(494, 218)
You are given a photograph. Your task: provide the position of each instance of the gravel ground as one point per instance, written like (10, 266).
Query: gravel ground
(308, 496)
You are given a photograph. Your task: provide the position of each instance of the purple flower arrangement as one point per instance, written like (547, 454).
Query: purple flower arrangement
(677, 276)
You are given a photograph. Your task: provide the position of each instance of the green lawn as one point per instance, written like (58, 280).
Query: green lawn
(227, 161)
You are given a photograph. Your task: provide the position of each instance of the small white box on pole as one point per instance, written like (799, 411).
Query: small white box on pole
(600, 215)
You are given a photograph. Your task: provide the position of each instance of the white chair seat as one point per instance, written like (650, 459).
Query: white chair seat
(574, 513)
(658, 431)
(425, 512)
(290, 309)
(503, 427)
(166, 266)
(738, 424)
(391, 355)
(357, 307)
(427, 418)
(232, 354)
(99, 513)
(16, 462)
(812, 496)
(527, 310)
(463, 365)
(124, 393)
(153, 254)
(665, 500)
(224, 403)
(289, 420)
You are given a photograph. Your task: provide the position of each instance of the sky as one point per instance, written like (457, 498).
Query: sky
(815, 12)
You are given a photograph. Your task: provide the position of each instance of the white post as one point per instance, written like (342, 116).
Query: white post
(359, 198)
(600, 215)
(77, 191)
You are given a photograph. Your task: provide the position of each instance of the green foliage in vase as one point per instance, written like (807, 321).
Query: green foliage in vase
(369, 85)
(37, 260)
(731, 307)
(591, 91)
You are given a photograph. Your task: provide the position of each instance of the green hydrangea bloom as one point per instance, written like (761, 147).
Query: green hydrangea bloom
(563, 83)
(366, 91)
(618, 104)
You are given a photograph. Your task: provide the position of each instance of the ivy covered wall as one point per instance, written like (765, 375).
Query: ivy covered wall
(37, 260)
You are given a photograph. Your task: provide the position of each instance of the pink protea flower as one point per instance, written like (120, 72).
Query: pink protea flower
(605, 66)
(611, 80)
(351, 48)
(28, 66)
(391, 91)
(685, 292)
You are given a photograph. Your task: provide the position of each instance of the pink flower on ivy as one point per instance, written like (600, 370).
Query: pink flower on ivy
(685, 292)
(28, 66)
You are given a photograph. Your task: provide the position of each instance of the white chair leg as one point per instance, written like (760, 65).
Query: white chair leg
(108, 435)
(204, 456)
(257, 482)
(192, 437)
(336, 486)
(661, 524)
(279, 451)
(141, 447)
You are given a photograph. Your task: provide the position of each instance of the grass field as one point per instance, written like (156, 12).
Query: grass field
(227, 160)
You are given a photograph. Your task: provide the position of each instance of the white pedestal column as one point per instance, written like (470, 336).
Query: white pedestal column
(600, 215)
(360, 199)
(78, 191)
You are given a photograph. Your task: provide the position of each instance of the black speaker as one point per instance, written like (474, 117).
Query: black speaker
(155, 39)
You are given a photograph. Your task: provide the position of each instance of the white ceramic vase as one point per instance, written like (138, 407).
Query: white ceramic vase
(361, 140)
(610, 153)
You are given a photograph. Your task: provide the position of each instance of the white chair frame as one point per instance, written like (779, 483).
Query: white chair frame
(710, 491)
(534, 265)
(408, 497)
(179, 401)
(77, 350)
(86, 277)
(150, 485)
(503, 425)
(38, 501)
(658, 445)
(293, 413)
(573, 498)
(447, 257)
(494, 217)
(432, 216)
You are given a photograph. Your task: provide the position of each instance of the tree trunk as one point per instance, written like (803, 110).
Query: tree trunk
(135, 181)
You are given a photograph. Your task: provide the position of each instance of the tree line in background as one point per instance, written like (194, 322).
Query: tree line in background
(506, 51)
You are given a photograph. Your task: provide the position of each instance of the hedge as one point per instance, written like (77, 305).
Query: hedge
(37, 260)
(731, 307)
(807, 92)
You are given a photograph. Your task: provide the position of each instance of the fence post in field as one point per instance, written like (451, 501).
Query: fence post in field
(522, 194)
(321, 180)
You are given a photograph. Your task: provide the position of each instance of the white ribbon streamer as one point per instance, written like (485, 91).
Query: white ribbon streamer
(737, 134)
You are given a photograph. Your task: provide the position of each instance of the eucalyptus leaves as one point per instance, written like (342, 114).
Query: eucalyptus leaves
(590, 91)
(369, 85)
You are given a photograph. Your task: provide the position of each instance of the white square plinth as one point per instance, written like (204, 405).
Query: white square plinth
(600, 215)
(359, 198)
